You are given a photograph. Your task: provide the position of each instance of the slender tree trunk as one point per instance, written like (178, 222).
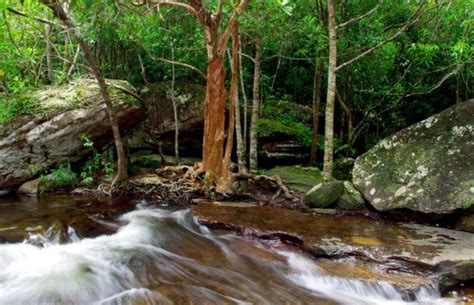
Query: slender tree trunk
(244, 97)
(47, 34)
(175, 107)
(331, 94)
(59, 12)
(143, 71)
(458, 86)
(318, 77)
(73, 64)
(253, 153)
(240, 142)
(349, 128)
(233, 96)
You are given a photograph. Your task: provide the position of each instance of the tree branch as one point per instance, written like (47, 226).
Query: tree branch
(45, 21)
(358, 18)
(411, 20)
(231, 23)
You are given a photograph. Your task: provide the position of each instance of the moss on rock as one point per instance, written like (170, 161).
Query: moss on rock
(324, 194)
(427, 167)
(297, 177)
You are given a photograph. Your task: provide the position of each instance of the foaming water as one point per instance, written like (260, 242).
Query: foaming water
(164, 257)
(307, 274)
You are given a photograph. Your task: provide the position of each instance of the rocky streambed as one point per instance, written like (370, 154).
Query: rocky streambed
(404, 253)
(89, 250)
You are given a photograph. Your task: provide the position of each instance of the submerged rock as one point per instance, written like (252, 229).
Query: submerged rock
(427, 167)
(32, 144)
(324, 194)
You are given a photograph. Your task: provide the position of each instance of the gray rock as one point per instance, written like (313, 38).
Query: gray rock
(30, 145)
(324, 194)
(30, 188)
(351, 199)
(427, 167)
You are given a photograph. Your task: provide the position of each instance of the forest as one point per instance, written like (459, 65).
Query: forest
(331, 139)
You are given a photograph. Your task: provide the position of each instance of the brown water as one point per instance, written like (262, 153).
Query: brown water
(63, 250)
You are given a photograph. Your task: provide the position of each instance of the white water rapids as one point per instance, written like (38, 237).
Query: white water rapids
(163, 257)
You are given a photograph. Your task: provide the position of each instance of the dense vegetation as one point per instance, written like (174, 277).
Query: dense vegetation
(424, 69)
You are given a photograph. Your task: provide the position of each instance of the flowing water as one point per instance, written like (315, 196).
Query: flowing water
(158, 256)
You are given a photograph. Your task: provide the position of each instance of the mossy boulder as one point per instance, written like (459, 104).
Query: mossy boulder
(350, 199)
(297, 177)
(427, 167)
(51, 135)
(324, 194)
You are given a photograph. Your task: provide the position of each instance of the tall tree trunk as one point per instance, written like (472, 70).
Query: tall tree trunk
(175, 107)
(233, 97)
(47, 34)
(331, 94)
(59, 12)
(214, 118)
(238, 118)
(253, 153)
(244, 97)
(458, 86)
(318, 77)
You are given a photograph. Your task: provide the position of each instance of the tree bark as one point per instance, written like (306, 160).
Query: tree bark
(318, 77)
(175, 107)
(69, 23)
(233, 97)
(238, 117)
(253, 153)
(214, 118)
(331, 94)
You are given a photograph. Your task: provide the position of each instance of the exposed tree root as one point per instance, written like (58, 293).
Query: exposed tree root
(179, 184)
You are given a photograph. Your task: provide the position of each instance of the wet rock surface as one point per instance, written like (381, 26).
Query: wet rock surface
(427, 167)
(22, 217)
(441, 254)
(31, 144)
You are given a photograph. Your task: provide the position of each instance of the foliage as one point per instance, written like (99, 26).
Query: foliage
(58, 178)
(416, 75)
(96, 165)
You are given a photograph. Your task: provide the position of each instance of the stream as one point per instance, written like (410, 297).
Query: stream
(65, 250)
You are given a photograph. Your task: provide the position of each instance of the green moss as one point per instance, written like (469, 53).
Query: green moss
(268, 128)
(297, 177)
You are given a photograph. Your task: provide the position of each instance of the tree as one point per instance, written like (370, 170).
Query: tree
(69, 23)
(333, 68)
(216, 40)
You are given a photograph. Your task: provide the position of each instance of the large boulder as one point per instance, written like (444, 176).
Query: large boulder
(33, 143)
(427, 167)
